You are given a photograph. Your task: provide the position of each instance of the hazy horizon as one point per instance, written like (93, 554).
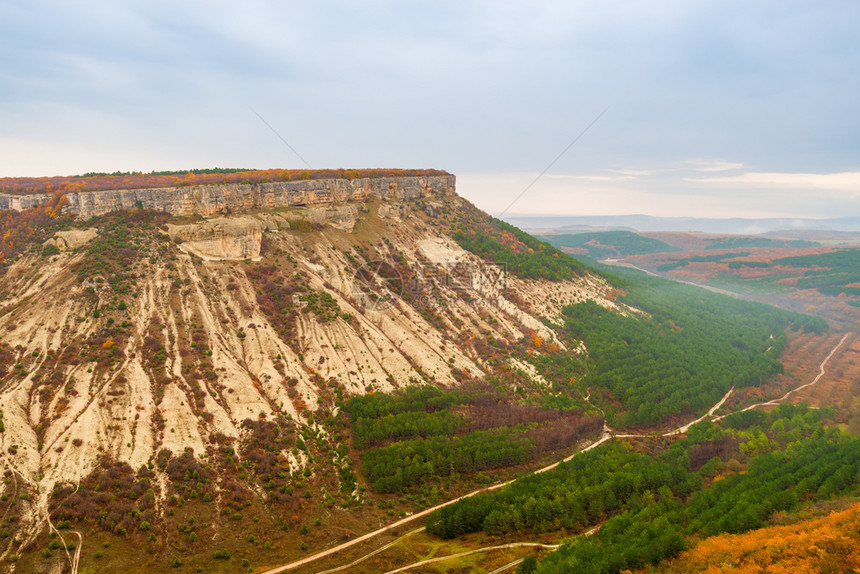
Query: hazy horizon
(709, 225)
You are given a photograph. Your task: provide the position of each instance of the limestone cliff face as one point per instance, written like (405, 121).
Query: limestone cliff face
(21, 202)
(208, 200)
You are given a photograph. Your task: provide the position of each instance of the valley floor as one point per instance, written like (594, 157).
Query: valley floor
(482, 553)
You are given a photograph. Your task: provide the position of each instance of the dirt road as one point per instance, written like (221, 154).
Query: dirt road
(408, 519)
(606, 436)
(470, 552)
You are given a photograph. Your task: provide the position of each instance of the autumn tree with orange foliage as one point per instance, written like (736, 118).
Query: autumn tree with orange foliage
(827, 544)
(20, 228)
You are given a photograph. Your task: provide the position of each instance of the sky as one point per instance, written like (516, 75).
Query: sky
(673, 107)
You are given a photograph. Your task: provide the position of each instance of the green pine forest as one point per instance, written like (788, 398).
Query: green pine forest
(665, 355)
(668, 353)
(730, 477)
(601, 244)
(677, 349)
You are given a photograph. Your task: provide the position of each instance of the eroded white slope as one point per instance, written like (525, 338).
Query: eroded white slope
(61, 416)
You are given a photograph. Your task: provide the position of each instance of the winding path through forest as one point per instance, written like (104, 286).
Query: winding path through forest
(408, 519)
(373, 553)
(608, 434)
(470, 552)
(710, 413)
(507, 566)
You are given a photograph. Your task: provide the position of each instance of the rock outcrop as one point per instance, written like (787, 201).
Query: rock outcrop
(229, 238)
(341, 217)
(72, 239)
(391, 211)
(239, 237)
(210, 200)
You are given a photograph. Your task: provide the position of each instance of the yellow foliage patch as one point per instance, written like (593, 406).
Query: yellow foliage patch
(828, 544)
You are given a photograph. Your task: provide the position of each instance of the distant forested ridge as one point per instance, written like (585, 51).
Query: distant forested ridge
(741, 241)
(602, 244)
(701, 259)
(830, 273)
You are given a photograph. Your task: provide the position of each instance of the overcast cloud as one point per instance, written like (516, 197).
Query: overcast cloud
(729, 108)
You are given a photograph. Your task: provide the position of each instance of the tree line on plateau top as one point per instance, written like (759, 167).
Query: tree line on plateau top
(137, 180)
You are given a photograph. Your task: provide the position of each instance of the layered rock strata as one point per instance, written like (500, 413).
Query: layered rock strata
(209, 200)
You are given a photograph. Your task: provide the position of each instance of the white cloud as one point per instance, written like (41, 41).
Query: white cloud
(843, 181)
(708, 165)
(637, 172)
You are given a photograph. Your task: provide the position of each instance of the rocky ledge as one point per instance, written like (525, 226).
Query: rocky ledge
(220, 199)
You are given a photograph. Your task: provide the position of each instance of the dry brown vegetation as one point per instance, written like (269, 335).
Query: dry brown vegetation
(838, 388)
(803, 354)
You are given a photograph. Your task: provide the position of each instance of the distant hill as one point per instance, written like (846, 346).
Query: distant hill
(621, 243)
(742, 241)
(603, 244)
(735, 225)
(821, 236)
